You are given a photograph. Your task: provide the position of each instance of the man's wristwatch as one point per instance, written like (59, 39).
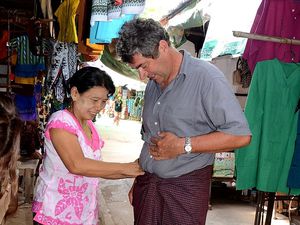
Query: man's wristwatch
(188, 145)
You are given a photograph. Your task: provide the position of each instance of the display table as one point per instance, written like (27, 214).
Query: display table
(27, 169)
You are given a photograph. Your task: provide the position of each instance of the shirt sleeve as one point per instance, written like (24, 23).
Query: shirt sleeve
(223, 108)
(63, 121)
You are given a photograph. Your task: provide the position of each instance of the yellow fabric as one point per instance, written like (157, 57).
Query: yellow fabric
(95, 47)
(23, 80)
(65, 14)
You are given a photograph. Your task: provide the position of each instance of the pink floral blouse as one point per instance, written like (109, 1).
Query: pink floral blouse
(60, 196)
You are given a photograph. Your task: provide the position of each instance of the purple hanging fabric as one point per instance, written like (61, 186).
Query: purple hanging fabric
(274, 18)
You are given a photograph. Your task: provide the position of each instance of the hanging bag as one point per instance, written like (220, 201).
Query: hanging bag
(237, 74)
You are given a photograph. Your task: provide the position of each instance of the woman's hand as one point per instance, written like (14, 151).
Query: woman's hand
(133, 169)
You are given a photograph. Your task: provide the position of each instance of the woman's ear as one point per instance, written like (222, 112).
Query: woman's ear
(74, 94)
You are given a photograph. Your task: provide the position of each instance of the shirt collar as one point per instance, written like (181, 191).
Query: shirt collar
(185, 62)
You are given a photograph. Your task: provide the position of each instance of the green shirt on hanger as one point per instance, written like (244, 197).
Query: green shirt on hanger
(270, 110)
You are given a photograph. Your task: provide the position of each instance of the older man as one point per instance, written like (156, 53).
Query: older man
(189, 114)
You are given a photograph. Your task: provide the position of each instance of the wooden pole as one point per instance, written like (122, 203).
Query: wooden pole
(266, 38)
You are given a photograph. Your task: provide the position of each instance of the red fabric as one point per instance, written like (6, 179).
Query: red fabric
(4, 39)
(182, 200)
(12, 76)
(274, 18)
(118, 2)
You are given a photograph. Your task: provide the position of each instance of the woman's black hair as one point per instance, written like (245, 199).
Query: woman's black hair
(89, 77)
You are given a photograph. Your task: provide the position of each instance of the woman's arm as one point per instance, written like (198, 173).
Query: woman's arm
(70, 152)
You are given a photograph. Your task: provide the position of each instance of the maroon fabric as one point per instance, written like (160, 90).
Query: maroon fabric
(172, 201)
(274, 18)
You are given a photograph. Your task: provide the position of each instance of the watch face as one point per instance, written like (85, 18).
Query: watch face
(188, 148)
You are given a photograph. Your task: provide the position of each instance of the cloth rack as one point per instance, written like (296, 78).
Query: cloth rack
(266, 38)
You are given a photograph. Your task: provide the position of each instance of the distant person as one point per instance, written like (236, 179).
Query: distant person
(189, 114)
(67, 188)
(118, 109)
(10, 127)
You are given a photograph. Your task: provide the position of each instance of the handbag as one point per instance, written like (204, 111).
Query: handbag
(242, 74)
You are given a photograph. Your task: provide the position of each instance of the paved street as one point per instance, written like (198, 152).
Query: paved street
(122, 144)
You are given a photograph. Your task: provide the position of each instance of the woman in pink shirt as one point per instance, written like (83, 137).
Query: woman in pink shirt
(67, 186)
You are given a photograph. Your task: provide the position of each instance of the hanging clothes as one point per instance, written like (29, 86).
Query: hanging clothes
(46, 9)
(294, 174)
(26, 107)
(270, 110)
(118, 2)
(105, 10)
(3, 40)
(63, 66)
(28, 64)
(24, 80)
(274, 18)
(65, 14)
(107, 18)
(105, 31)
(84, 45)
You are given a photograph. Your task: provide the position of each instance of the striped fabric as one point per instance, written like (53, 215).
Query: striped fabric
(172, 201)
(24, 54)
(28, 64)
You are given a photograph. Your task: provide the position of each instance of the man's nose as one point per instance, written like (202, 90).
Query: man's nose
(142, 74)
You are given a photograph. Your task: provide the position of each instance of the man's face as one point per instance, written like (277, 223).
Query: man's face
(149, 68)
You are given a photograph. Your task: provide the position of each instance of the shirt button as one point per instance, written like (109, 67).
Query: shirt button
(293, 10)
(155, 123)
(295, 17)
(158, 103)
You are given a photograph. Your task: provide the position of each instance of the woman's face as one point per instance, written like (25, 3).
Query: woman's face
(88, 104)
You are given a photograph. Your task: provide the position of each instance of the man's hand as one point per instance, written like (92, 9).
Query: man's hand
(166, 146)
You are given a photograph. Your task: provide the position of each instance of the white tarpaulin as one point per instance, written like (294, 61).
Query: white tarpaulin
(225, 17)
(118, 79)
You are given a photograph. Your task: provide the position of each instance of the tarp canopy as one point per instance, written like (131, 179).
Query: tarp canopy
(110, 61)
(118, 78)
(193, 18)
(225, 17)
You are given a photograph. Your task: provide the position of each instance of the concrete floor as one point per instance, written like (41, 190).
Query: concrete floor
(123, 144)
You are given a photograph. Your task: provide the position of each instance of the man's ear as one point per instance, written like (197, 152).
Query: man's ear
(163, 45)
(74, 94)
